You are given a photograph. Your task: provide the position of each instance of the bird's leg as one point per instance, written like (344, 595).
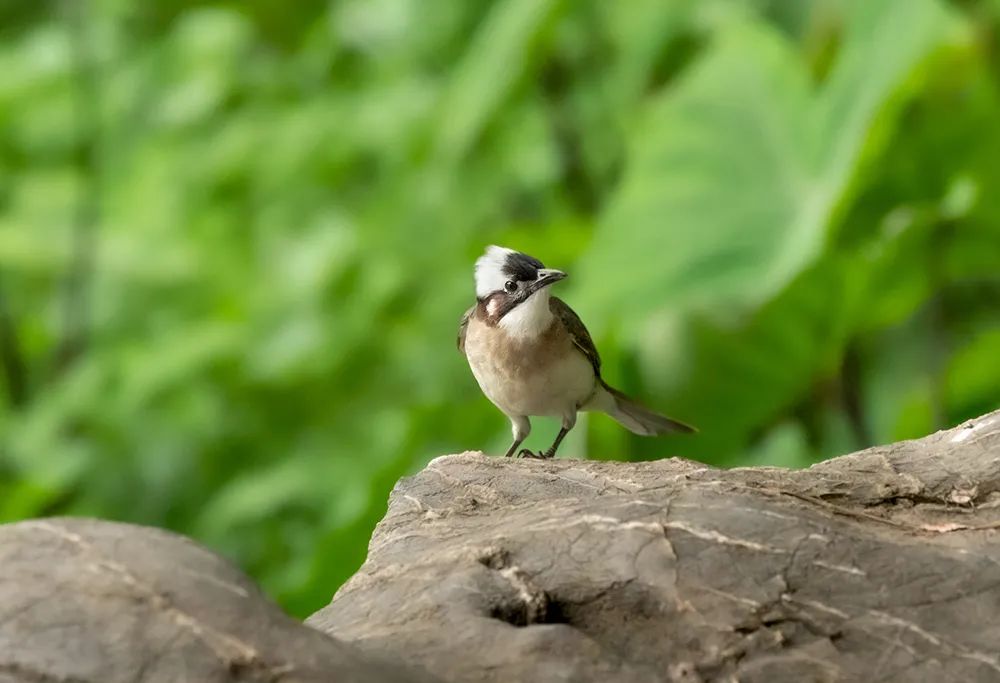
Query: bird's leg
(555, 444)
(521, 427)
(513, 447)
(545, 455)
(567, 424)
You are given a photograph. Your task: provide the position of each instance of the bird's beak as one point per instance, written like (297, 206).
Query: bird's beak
(546, 277)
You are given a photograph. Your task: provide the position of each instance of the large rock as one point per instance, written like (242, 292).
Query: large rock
(878, 566)
(85, 601)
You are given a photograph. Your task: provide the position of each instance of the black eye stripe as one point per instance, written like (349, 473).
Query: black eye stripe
(518, 266)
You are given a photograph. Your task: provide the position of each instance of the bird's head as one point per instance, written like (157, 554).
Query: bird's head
(506, 279)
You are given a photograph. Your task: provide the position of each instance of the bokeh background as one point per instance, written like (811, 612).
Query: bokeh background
(236, 239)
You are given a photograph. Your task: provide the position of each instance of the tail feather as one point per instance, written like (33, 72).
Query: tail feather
(635, 417)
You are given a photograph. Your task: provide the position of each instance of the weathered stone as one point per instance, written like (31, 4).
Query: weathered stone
(878, 566)
(85, 601)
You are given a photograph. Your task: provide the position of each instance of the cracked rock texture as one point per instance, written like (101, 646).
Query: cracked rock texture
(85, 601)
(883, 565)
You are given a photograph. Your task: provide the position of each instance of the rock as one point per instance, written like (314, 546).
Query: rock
(883, 565)
(85, 601)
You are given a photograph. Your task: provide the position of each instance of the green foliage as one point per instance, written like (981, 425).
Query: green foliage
(236, 238)
(736, 171)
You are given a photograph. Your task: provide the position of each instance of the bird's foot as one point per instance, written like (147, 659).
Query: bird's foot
(537, 455)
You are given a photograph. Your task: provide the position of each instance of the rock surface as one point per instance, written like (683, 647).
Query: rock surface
(85, 601)
(883, 565)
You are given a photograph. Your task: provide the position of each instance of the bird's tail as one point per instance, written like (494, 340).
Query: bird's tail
(634, 417)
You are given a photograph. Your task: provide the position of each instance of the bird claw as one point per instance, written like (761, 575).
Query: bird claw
(540, 455)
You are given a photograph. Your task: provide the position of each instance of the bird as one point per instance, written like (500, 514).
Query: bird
(532, 355)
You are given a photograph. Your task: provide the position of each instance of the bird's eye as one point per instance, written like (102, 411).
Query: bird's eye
(510, 286)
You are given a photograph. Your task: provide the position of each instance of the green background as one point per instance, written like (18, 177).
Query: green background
(236, 239)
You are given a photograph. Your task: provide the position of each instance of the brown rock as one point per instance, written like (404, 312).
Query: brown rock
(86, 601)
(883, 565)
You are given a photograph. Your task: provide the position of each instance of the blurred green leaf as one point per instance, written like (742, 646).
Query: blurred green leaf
(784, 446)
(737, 173)
(494, 61)
(973, 374)
(737, 379)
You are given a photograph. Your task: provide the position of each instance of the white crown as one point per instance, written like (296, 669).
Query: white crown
(489, 270)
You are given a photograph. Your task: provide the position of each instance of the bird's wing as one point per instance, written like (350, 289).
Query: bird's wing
(463, 326)
(577, 331)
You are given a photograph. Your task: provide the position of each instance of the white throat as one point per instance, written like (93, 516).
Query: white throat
(530, 318)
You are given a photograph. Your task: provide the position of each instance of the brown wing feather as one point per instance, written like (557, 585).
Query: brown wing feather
(577, 330)
(463, 326)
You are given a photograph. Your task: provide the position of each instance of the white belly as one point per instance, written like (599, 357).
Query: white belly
(550, 382)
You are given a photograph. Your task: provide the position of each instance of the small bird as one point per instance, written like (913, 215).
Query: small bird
(532, 355)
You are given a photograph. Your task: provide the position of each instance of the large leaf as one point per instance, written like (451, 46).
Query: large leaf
(736, 174)
(738, 380)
